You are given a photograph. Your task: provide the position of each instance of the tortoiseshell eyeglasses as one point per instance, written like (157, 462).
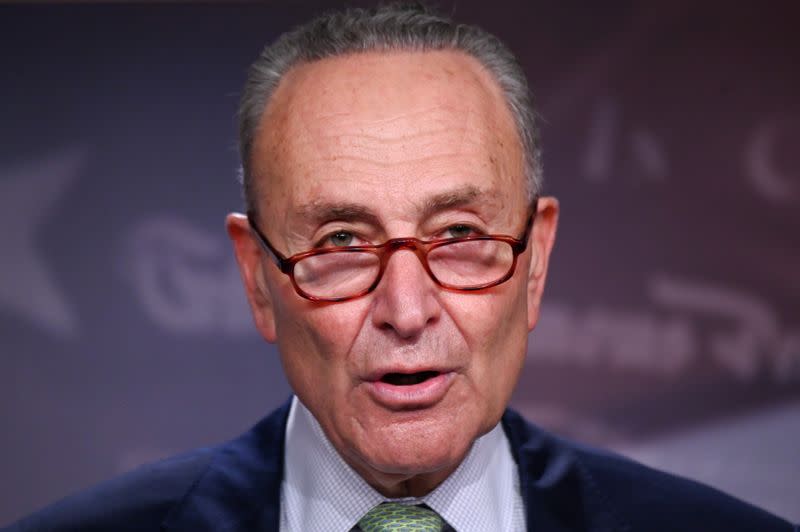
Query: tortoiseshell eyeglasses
(347, 272)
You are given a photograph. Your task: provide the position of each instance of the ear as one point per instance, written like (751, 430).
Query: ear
(543, 237)
(252, 266)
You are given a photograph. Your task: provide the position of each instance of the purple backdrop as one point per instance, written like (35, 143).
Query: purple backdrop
(670, 328)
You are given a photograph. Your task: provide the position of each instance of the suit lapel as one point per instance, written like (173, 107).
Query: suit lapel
(558, 492)
(240, 490)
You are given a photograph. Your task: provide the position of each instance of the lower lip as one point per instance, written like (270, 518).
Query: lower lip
(412, 396)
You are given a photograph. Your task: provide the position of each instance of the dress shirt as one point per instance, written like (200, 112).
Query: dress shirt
(320, 491)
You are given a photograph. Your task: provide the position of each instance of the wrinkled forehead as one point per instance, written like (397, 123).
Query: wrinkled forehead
(395, 123)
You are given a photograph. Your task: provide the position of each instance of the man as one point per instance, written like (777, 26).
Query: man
(396, 249)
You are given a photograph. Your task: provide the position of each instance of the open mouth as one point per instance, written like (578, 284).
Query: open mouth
(410, 390)
(408, 379)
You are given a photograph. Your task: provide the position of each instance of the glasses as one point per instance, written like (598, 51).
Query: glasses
(342, 273)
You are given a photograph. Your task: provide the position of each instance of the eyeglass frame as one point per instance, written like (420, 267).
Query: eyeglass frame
(384, 251)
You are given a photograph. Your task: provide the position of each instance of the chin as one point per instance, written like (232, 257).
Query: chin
(416, 448)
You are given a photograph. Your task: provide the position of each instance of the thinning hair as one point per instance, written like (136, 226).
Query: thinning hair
(399, 26)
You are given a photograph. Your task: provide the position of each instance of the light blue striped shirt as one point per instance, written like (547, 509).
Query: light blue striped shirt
(321, 492)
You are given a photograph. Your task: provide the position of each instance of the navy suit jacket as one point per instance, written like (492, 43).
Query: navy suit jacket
(236, 488)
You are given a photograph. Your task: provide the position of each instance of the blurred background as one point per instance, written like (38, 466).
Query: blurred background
(671, 324)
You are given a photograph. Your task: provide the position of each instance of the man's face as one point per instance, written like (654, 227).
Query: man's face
(361, 149)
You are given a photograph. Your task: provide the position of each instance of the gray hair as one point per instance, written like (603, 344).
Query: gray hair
(396, 26)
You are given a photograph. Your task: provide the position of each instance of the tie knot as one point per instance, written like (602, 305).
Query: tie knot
(396, 517)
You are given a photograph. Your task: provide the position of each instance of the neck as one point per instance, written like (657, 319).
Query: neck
(396, 486)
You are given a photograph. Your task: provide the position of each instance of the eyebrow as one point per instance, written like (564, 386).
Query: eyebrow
(319, 212)
(323, 211)
(451, 200)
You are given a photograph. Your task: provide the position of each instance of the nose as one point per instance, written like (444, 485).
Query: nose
(405, 300)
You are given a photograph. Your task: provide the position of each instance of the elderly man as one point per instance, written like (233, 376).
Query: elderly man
(396, 249)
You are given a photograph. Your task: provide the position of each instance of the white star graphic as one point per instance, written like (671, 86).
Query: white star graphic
(27, 194)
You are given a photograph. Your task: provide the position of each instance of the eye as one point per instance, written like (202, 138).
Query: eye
(338, 239)
(459, 231)
(341, 238)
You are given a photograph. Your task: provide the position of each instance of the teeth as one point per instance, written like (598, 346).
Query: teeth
(407, 379)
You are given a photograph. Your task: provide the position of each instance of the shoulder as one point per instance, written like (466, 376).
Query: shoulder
(138, 500)
(195, 491)
(610, 492)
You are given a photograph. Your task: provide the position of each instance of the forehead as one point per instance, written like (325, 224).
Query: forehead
(398, 126)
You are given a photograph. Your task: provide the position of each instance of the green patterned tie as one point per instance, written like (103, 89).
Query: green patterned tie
(396, 517)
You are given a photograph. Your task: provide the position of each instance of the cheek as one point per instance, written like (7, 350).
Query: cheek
(490, 320)
(316, 339)
(494, 326)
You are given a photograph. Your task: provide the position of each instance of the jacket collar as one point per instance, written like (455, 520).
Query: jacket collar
(240, 489)
(559, 492)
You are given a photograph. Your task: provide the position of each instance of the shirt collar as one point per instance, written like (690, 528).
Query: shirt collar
(321, 492)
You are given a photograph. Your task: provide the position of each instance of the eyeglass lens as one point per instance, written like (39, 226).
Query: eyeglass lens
(464, 265)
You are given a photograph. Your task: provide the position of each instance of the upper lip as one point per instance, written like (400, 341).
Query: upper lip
(378, 374)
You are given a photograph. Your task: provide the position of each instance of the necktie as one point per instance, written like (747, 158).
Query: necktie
(396, 517)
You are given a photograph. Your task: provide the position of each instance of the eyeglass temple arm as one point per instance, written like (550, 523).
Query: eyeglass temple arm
(281, 261)
(529, 224)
